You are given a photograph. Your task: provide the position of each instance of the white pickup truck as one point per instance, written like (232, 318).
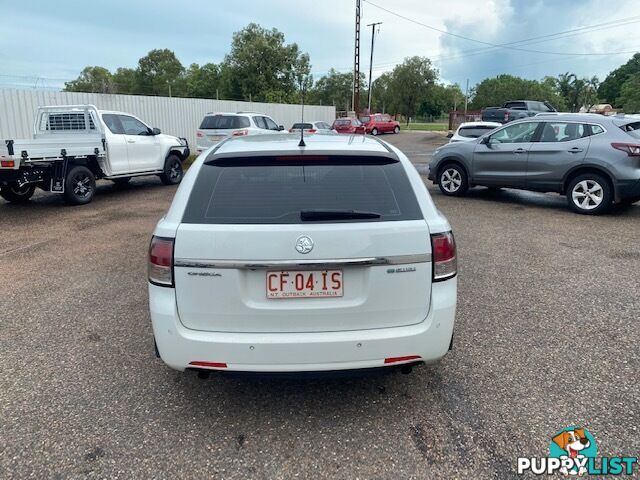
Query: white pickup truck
(73, 145)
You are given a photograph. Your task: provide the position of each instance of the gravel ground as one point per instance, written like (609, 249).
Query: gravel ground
(547, 336)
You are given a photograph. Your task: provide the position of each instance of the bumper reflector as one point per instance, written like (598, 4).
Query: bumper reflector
(401, 359)
(209, 364)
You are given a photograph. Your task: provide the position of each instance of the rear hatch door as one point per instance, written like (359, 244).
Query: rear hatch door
(215, 128)
(266, 246)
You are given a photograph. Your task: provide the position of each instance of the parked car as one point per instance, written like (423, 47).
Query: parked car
(73, 145)
(515, 110)
(280, 258)
(216, 127)
(380, 123)
(592, 159)
(322, 128)
(471, 130)
(348, 125)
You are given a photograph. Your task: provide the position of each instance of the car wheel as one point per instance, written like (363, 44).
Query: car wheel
(453, 180)
(16, 194)
(173, 171)
(121, 181)
(374, 132)
(396, 129)
(79, 186)
(589, 194)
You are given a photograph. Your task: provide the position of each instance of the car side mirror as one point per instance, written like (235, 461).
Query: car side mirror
(280, 128)
(486, 140)
(155, 131)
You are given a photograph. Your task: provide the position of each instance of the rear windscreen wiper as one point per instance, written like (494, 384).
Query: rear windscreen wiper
(320, 215)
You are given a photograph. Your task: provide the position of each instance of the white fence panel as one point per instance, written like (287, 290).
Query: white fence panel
(175, 116)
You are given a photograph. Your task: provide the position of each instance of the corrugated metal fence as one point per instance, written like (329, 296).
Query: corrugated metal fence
(175, 116)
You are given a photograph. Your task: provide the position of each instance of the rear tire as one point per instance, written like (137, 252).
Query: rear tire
(589, 194)
(79, 186)
(453, 180)
(374, 132)
(396, 130)
(173, 171)
(15, 194)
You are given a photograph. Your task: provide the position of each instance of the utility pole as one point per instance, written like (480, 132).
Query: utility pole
(373, 36)
(355, 103)
(466, 100)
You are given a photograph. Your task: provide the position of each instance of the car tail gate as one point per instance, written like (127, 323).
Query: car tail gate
(291, 244)
(217, 127)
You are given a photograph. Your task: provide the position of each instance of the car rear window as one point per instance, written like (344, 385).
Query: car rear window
(224, 122)
(275, 190)
(345, 121)
(365, 119)
(475, 131)
(299, 126)
(516, 105)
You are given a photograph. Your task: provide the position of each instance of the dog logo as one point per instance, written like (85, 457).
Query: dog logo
(304, 244)
(576, 444)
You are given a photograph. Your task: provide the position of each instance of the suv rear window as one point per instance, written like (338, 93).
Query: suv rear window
(224, 122)
(298, 126)
(475, 131)
(275, 190)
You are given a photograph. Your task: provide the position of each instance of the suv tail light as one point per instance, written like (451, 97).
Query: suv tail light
(160, 267)
(506, 116)
(311, 130)
(630, 149)
(240, 133)
(445, 264)
(199, 134)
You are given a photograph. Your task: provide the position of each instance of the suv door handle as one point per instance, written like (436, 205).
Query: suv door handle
(520, 150)
(575, 150)
(131, 141)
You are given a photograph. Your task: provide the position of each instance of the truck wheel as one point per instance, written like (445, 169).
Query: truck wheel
(453, 180)
(79, 186)
(589, 194)
(16, 194)
(173, 172)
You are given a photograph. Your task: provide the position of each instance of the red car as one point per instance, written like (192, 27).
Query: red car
(348, 125)
(380, 123)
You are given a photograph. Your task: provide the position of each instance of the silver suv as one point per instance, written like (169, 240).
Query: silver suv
(215, 127)
(592, 159)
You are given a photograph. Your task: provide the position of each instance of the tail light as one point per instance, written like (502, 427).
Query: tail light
(630, 149)
(240, 133)
(199, 134)
(311, 130)
(445, 264)
(291, 130)
(160, 267)
(506, 116)
(7, 164)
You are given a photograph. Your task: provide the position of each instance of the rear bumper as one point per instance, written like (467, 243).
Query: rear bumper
(302, 352)
(627, 189)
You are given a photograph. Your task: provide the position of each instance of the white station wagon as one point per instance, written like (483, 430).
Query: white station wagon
(275, 257)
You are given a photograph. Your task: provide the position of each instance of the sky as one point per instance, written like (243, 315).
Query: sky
(44, 42)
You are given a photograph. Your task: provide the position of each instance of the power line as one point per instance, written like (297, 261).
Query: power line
(494, 45)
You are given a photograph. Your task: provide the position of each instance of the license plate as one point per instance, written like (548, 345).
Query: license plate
(304, 284)
(215, 138)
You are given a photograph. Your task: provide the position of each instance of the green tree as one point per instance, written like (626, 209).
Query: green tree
(91, 80)
(410, 83)
(125, 81)
(202, 81)
(493, 92)
(261, 65)
(335, 88)
(382, 99)
(160, 73)
(440, 99)
(629, 97)
(610, 89)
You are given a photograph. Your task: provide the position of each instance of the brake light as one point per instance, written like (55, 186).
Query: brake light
(445, 264)
(160, 267)
(240, 133)
(506, 116)
(630, 149)
(311, 130)
(198, 363)
(199, 134)
(7, 163)
(291, 130)
(401, 359)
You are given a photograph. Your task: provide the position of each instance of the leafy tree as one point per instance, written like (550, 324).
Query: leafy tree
(610, 89)
(630, 94)
(410, 83)
(335, 88)
(91, 80)
(160, 73)
(495, 91)
(441, 99)
(382, 99)
(261, 65)
(125, 81)
(202, 81)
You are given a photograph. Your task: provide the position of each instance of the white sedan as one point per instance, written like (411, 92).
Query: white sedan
(471, 130)
(280, 258)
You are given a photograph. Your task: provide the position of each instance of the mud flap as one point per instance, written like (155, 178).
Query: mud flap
(58, 175)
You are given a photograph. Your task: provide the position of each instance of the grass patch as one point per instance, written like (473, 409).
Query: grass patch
(187, 163)
(427, 127)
